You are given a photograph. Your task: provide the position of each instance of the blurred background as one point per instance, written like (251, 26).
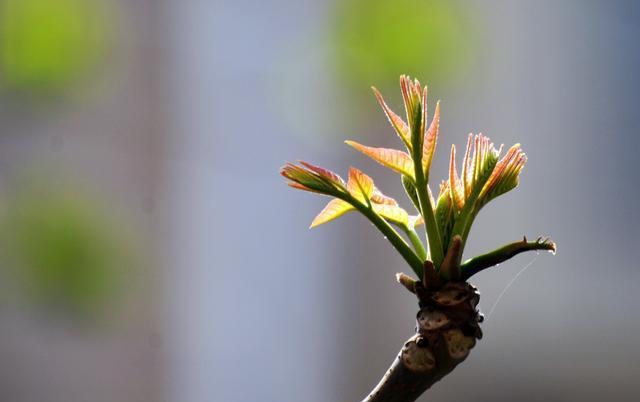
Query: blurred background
(149, 251)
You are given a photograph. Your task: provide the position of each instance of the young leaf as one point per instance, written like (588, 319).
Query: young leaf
(378, 198)
(423, 119)
(431, 199)
(396, 121)
(483, 162)
(444, 212)
(505, 176)
(325, 173)
(455, 186)
(301, 187)
(430, 141)
(360, 186)
(392, 158)
(393, 214)
(412, 97)
(313, 178)
(334, 209)
(478, 171)
(415, 221)
(466, 167)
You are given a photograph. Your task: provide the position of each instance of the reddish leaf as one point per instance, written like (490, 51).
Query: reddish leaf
(392, 158)
(360, 185)
(396, 121)
(505, 175)
(430, 141)
(411, 95)
(312, 178)
(466, 166)
(379, 198)
(324, 173)
(455, 186)
(300, 187)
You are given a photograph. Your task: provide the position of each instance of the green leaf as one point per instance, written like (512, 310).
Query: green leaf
(393, 214)
(334, 209)
(444, 212)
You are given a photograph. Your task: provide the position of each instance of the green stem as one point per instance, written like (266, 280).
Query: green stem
(394, 238)
(416, 242)
(426, 209)
(468, 214)
(433, 234)
(468, 222)
(474, 265)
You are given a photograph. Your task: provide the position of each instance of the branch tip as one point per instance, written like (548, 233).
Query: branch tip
(408, 282)
(474, 265)
(430, 278)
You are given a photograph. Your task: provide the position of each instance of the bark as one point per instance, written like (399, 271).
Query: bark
(447, 329)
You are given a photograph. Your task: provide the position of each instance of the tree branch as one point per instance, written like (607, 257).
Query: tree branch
(447, 329)
(474, 265)
(405, 382)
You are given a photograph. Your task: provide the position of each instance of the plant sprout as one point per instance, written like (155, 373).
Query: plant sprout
(448, 320)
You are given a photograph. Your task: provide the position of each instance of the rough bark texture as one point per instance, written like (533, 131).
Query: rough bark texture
(447, 328)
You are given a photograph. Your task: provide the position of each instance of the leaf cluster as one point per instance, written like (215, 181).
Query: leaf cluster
(482, 176)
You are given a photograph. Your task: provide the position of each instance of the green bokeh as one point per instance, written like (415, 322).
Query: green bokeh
(378, 40)
(64, 249)
(48, 44)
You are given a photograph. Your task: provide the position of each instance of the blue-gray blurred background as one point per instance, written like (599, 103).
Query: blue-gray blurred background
(150, 252)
